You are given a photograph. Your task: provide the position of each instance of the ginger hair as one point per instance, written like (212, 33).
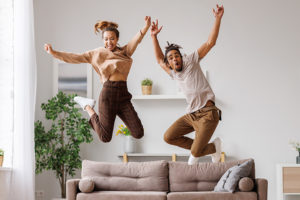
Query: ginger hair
(106, 26)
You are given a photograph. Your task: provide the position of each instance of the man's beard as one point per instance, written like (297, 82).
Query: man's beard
(178, 69)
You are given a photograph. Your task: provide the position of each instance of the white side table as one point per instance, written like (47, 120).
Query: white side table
(288, 180)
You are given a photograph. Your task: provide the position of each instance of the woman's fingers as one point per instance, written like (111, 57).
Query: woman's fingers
(47, 47)
(218, 10)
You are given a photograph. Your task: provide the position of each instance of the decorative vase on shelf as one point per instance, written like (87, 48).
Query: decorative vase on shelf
(129, 144)
(296, 146)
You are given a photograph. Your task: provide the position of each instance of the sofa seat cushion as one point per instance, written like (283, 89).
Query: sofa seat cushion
(210, 195)
(122, 195)
(132, 176)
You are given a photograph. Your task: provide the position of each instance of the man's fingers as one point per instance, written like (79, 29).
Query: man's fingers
(160, 29)
(222, 8)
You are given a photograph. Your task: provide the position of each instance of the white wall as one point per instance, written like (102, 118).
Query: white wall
(253, 69)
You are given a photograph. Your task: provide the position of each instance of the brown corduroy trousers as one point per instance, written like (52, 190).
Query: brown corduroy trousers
(114, 100)
(203, 122)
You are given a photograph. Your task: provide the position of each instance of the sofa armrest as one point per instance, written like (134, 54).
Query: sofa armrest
(72, 189)
(261, 188)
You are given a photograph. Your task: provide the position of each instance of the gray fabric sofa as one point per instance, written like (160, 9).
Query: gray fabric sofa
(159, 180)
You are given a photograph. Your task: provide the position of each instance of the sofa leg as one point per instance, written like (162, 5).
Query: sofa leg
(174, 157)
(223, 157)
(125, 158)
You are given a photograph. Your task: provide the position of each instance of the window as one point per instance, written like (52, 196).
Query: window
(6, 80)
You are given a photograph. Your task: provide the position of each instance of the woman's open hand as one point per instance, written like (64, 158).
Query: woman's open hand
(219, 11)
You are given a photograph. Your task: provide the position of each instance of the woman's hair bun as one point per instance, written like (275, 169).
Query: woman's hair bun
(102, 25)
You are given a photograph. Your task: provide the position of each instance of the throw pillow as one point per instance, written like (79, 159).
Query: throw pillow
(246, 184)
(86, 185)
(229, 180)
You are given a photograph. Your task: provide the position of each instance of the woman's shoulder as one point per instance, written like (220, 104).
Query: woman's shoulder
(103, 49)
(99, 49)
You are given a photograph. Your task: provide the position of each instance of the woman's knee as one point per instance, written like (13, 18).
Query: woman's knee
(138, 134)
(105, 139)
(104, 135)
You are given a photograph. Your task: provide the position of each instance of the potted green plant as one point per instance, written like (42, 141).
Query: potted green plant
(58, 148)
(1, 157)
(147, 86)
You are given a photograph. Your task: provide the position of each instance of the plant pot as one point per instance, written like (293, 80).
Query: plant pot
(146, 89)
(1, 160)
(129, 144)
(298, 159)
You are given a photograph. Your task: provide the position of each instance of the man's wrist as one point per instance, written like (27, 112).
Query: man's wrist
(218, 18)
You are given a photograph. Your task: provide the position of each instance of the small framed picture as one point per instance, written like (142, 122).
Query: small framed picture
(72, 78)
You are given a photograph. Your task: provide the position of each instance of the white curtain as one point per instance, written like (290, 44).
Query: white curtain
(23, 165)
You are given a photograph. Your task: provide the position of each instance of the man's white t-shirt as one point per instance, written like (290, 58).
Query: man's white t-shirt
(193, 83)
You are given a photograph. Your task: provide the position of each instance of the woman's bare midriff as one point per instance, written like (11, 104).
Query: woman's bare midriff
(116, 76)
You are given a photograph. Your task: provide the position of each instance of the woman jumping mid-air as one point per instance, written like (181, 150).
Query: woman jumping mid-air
(112, 63)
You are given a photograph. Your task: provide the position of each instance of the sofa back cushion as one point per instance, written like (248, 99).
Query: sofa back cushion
(132, 176)
(198, 177)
